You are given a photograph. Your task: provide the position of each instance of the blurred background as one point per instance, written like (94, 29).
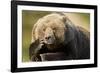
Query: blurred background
(29, 18)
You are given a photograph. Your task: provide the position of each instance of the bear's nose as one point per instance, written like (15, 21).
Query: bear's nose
(47, 37)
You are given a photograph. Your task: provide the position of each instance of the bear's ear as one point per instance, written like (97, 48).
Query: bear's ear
(64, 19)
(62, 16)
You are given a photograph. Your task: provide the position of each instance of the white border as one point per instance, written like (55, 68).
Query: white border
(53, 63)
(94, 2)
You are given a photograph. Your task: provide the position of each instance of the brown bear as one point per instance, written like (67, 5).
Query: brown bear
(55, 33)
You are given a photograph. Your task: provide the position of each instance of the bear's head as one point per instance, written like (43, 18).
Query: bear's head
(50, 30)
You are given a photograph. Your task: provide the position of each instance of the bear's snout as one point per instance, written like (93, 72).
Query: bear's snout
(49, 37)
(49, 40)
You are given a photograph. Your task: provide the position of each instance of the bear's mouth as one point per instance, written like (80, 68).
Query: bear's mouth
(49, 42)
